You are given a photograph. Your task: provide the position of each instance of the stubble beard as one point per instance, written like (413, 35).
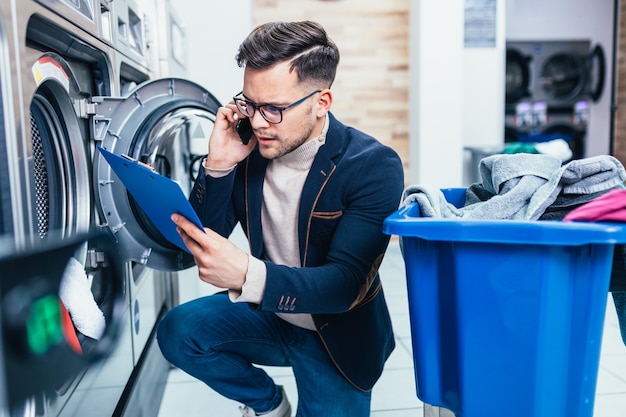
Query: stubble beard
(286, 146)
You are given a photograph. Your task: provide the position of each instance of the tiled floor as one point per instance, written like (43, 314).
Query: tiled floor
(394, 394)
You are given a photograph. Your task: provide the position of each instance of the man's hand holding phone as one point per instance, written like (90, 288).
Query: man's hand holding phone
(227, 146)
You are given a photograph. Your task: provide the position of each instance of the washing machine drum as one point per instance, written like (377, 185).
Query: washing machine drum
(558, 73)
(517, 76)
(166, 124)
(60, 185)
(563, 76)
(570, 76)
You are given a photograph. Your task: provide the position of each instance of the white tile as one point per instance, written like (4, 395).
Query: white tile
(609, 383)
(176, 375)
(406, 343)
(395, 390)
(186, 396)
(413, 412)
(609, 405)
(194, 399)
(400, 358)
(401, 325)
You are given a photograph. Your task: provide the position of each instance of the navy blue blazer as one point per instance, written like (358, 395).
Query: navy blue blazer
(355, 182)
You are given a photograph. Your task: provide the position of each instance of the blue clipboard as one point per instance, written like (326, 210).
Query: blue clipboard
(158, 196)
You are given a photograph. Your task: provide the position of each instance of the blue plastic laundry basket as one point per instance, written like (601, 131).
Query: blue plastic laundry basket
(506, 316)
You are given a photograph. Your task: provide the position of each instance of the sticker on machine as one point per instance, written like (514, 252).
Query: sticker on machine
(47, 68)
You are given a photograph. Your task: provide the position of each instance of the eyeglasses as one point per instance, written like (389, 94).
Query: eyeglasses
(270, 113)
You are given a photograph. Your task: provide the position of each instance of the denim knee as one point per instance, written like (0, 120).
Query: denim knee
(167, 335)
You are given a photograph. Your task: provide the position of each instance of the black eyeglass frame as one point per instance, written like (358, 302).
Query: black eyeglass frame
(239, 97)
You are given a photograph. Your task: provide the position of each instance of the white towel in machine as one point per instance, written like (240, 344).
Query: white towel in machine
(76, 295)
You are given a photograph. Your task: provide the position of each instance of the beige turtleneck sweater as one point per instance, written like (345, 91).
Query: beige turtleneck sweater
(282, 190)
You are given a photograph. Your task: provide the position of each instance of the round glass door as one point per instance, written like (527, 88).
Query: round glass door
(563, 76)
(165, 123)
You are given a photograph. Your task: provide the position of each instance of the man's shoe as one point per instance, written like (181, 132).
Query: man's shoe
(283, 409)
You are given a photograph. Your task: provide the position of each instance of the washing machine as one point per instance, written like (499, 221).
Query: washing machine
(9, 206)
(549, 88)
(557, 73)
(165, 122)
(85, 77)
(61, 62)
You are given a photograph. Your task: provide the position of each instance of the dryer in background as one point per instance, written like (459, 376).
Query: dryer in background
(549, 88)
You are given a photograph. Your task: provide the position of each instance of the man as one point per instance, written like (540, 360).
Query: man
(311, 195)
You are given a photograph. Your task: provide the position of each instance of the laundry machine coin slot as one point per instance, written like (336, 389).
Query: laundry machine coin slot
(131, 37)
(81, 13)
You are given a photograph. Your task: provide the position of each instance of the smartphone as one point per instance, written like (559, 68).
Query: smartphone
(244, 128)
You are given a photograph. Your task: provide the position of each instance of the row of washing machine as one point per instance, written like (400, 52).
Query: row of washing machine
(75, 74)
(550, 86)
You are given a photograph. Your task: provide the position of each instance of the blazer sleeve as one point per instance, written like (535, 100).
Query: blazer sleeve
(211, 198)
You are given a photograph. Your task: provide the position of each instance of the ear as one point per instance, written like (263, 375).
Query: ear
(324, 102)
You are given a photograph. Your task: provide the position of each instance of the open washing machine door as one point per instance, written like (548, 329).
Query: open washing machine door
(165, 123)
(596, 63)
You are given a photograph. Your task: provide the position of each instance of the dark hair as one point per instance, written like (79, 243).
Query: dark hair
(312, 53)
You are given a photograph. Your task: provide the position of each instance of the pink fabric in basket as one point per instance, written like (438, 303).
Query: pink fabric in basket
(608, 207)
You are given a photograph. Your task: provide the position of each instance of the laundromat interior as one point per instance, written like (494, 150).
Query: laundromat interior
(444, 83)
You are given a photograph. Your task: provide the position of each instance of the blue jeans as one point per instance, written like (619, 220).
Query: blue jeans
(217, 342)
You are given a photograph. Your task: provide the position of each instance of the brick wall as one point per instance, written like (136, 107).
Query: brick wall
(619, 145)
(372, 86)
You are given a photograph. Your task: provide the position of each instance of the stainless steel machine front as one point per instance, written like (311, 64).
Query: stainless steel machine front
(76, 74)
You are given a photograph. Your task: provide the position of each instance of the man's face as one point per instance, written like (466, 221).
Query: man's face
(279, 87)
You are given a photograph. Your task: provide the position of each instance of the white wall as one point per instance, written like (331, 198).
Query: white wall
(435, 83)
(456, 93)
(567, 20)
(484, 96)
(214, 31)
